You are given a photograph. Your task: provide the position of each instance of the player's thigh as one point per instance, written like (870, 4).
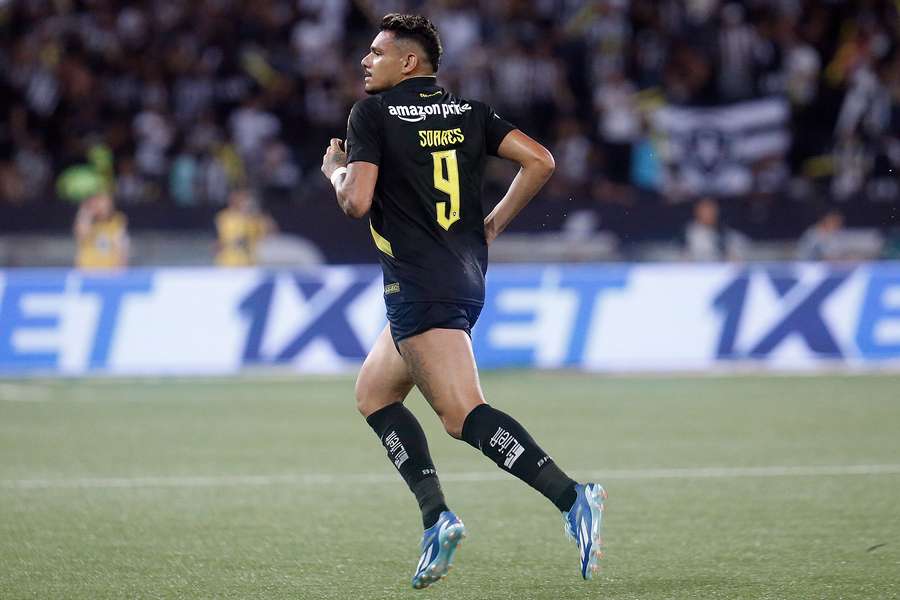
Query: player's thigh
(442, 366)
(384, 378)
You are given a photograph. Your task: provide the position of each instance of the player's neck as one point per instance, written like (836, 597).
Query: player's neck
(418, 76)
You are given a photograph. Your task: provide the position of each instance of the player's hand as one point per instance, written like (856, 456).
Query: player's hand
(334, 157)
(490, 230)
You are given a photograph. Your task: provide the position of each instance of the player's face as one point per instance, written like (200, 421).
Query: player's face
(383, 65)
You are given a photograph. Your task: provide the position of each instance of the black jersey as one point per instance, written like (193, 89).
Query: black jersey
(426, 217)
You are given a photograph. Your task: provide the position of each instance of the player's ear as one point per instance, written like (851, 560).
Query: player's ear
(410, 63)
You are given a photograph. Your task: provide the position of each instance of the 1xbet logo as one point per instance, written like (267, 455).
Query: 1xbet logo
(328, 320)
(763, 309)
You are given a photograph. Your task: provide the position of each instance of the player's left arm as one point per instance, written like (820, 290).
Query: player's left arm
(354, 184)
(537, 165)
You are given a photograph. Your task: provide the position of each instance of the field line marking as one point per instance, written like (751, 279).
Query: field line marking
(472, 476)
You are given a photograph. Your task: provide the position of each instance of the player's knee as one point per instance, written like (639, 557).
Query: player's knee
(370, 397)
(453, 423)
(453, 414)
(364, 396)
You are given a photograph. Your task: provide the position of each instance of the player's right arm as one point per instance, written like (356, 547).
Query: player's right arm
(353, 169)
(355, 186)
(537, 165)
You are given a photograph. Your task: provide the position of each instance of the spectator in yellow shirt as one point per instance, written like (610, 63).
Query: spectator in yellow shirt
(101, 234)
(240, 228)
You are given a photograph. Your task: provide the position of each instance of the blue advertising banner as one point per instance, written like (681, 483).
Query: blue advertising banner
(648, 317)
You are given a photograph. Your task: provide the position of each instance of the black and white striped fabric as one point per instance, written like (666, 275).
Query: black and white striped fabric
(711, 150)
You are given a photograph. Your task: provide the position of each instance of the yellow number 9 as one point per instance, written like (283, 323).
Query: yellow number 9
(449, 185)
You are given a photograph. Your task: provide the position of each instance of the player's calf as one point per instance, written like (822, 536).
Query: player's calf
(407, 449)
(503, 439)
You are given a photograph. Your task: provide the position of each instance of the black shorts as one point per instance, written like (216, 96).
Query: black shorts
(412, 318)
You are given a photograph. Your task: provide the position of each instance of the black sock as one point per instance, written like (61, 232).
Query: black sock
(407, 448)
(502, 439)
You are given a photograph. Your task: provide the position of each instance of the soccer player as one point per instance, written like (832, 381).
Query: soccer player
(413, 161)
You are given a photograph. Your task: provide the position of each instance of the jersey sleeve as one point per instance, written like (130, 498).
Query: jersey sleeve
(364, 131)
(495, 129)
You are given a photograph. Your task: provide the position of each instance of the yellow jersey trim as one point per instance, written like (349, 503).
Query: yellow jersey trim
(381, 243)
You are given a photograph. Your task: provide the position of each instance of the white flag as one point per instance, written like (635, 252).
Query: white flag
(711, 150)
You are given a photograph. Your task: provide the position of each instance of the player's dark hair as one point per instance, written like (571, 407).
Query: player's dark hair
(418, 29)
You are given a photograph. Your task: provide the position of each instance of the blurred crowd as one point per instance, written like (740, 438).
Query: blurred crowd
(165, 101)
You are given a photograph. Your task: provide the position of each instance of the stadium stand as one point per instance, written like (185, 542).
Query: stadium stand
(779, 109)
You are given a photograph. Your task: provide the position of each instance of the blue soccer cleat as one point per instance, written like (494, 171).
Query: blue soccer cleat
(583, 524)
(439, 544)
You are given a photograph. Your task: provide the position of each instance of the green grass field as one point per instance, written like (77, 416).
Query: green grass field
(278, 489)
